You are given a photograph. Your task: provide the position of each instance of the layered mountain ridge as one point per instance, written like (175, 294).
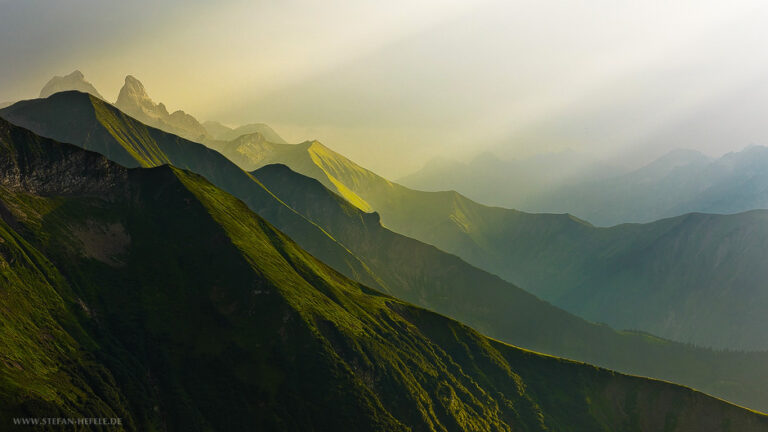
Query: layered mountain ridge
(681, 181)
(692, 278)
(101, 286)
(425, 275)
(134, 101)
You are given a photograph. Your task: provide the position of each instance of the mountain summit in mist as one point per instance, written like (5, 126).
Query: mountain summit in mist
(134, 101)
(74, 81)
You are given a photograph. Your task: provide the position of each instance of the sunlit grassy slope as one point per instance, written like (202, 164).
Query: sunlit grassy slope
(152, 295)
(424, 275)
(93, 124)
(420, 273)
(694, 278)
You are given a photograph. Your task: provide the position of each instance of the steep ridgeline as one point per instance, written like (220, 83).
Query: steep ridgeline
(92, 124)
(134, 101)
(100, 279)
(74, 81)
(425, 276)
(694, 278)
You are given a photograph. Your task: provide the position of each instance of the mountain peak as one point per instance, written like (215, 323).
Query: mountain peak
(73, 81)
(134, 101)
(132, 83)
(132, 92)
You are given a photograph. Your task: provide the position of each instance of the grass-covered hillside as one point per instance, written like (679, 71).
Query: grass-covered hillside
(151, 295)
(405, 267)
(424, 275)
(694, 278)
(93, 124)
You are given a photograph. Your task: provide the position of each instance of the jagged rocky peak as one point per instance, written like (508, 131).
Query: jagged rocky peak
(134, 100)
(74, 81)
(133, 89)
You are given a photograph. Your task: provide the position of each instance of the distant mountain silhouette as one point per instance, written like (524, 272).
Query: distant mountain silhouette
(134, 101)
(492, 180)
(218, 131)
(74, 81)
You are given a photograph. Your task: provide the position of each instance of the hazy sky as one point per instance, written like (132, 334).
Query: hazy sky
(392, 84)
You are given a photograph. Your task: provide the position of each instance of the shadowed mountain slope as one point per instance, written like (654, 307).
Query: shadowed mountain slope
(431, 278)
(92, 124)
(424, 275)
(105, 265)
(694, 278)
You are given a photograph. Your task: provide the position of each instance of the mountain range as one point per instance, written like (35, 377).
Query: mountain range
(695, 278)
(356, 244)
(102, 267)
(134, 101)
(682, 181)
(678, 183)
(512, 183)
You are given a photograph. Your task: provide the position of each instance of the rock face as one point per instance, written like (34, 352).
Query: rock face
(74, 81)
(44, 169)
(134, 101)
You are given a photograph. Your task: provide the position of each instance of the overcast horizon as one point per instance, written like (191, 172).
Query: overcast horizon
(394, 85)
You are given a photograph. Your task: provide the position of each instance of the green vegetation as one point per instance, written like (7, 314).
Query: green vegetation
(93, 124)
(426, 276)
(694, 278)
(354, 243)
(163, 300)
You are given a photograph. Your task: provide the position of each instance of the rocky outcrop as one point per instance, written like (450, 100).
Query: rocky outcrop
(44, 167)
(134, 101)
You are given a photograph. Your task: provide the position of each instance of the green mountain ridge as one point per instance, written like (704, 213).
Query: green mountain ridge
(695, 279)
(426, 276)
(429, 278)
(279, 341)
(92, 124)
